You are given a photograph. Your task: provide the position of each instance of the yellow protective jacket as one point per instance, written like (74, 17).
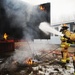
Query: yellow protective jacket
(64, 45)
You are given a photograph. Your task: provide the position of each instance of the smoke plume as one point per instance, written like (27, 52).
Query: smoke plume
(21, 20)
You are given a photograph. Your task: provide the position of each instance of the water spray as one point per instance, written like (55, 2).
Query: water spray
(45, 27)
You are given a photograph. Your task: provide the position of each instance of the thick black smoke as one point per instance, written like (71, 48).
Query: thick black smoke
(21, 20)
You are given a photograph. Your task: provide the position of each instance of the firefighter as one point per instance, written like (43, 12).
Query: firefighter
(64, 41)
(74, 62)
(65, 45)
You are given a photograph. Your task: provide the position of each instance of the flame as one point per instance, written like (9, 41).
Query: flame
(42, 8)
(5, 36)
(29, 61)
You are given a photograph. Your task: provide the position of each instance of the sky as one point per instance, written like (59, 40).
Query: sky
(62, 11)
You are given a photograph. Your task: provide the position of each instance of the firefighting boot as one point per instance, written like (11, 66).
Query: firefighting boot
(67, 60)
(63, 61)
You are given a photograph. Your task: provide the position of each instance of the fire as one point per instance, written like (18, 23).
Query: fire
(42, 8)
(29, 61)
(5, 36)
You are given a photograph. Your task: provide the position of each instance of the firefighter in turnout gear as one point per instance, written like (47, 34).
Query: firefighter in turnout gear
(65, 45)
(66, 40)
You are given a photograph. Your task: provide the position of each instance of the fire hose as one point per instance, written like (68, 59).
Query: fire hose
(49, 52)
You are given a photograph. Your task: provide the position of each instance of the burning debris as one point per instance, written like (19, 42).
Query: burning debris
(6, 44)
(33, 58)
(44, 63)
(50, 67)
(29, 61)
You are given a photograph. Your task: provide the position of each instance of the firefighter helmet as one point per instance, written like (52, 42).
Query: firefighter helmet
(65, 25)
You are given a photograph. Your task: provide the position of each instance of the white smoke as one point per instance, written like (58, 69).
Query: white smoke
(45, 27)
(31, 49)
